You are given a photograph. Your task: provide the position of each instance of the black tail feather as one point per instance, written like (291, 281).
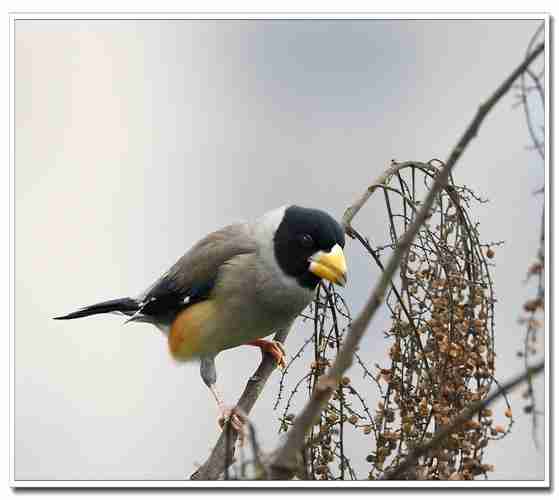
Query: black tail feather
(125, 305)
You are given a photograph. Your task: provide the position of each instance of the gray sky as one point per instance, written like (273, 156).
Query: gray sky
(136, 138)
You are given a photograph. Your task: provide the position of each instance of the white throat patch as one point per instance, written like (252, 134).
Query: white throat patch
(264, 231)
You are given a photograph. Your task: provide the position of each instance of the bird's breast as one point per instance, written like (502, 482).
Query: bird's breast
(247, 302)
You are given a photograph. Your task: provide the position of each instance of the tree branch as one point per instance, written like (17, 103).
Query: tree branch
(222, 454)
(458, 150)
(285, 462)
(285, 458)
(485, 107)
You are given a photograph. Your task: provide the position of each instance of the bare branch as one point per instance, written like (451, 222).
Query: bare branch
(485, 107)
(223, 452)
(458, 150)
(286, 458)
(285, 463)
(382, 180)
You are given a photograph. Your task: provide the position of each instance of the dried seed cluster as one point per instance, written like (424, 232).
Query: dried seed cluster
(324, 453)
(533, 320)
(441, 356)
(442, 353)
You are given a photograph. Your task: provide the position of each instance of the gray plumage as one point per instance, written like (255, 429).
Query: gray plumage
(253, 295)
(238, 285)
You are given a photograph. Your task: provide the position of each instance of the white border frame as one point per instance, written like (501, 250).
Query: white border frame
(201, 15)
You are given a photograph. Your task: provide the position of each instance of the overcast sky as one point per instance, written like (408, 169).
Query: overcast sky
(136, 138)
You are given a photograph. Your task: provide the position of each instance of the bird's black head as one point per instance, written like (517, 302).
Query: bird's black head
(308, 246)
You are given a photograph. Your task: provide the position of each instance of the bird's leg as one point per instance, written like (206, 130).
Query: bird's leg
(226, 413)
(272, 347)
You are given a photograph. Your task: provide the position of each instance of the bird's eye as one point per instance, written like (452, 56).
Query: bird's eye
(306, 241)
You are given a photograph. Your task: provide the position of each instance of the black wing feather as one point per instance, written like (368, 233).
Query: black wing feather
(168, 299)
(125, 305)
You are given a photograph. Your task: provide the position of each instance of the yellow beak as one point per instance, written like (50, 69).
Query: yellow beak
(330, 265)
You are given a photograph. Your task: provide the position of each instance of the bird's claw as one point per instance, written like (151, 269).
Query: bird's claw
(237, 421)
(276, 349)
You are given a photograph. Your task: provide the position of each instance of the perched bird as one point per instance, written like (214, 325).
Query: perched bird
(236, 286)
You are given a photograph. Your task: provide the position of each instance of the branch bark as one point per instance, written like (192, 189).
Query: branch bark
(222, 454)
(284, 464)
(486, 107)
(469, 134)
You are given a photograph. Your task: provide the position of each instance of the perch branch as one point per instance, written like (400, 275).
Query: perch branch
(285, 461)
(222, 454)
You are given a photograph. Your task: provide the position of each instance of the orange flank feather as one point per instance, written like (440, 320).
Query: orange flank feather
(187, 330)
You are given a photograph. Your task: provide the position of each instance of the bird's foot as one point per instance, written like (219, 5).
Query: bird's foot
(274, 348)
(230, 415)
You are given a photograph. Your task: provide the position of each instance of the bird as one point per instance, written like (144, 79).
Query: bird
(236, 286)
